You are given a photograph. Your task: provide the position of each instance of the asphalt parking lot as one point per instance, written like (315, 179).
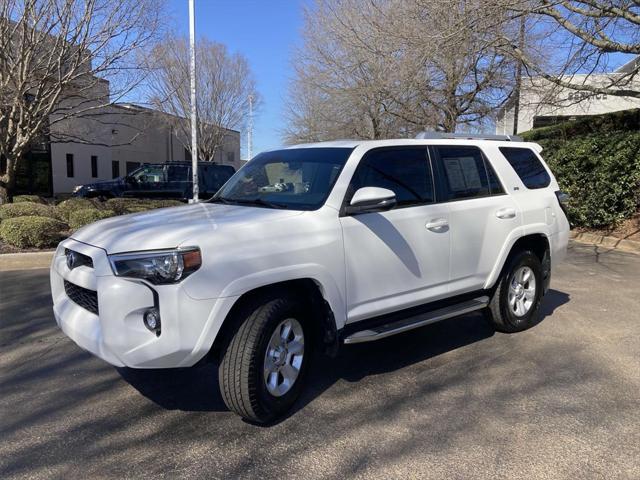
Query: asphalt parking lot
(451, 400)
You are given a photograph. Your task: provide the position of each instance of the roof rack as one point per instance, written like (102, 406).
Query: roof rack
(467, 136)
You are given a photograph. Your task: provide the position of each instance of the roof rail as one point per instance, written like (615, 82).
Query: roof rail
(467, 136)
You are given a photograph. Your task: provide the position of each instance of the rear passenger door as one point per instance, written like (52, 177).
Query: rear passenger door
(178, 182)
(398, 258)
(481, 214)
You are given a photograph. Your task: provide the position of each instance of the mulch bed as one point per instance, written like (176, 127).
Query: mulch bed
(628, 229)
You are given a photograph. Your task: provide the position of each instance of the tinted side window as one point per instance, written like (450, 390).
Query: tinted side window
(213, 177)
(527, 165)
(177, 173)
(404, 171)
(494, 183)
(465, 175)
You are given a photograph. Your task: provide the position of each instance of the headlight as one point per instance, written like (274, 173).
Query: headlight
(158, 267)
(77, 188)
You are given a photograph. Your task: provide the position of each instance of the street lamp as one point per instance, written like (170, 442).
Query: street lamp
(194, 116)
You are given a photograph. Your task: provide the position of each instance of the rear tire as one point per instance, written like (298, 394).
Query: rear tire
(515, 303)
(263, 366)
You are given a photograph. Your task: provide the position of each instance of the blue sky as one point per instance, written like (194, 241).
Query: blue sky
(266, 32)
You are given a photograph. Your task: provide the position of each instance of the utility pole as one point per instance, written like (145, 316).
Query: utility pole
(518, 85)
(194, 115)
(250, 128)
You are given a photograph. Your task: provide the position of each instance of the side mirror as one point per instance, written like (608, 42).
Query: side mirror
(371, 199)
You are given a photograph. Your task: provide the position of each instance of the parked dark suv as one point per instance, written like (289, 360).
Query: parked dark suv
(160, 180)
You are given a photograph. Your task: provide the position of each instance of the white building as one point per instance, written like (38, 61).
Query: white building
(108, 143)
(543, 103)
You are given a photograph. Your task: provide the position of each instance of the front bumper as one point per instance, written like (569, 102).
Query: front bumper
(117, 333)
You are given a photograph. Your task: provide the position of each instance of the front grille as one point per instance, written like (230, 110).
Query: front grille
(87, 299)
(79, 259)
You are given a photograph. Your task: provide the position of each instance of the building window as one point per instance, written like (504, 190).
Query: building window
(231, 157)
(115, 168)
(187, 155)
(69, 165)
(94, 166)
(131, 166)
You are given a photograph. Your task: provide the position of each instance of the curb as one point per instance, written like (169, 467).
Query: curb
(607, 241)
(25, 261)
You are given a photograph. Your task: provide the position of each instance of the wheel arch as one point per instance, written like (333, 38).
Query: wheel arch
(310, 290)
(538, 243)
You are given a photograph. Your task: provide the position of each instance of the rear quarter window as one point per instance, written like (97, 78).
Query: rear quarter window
(528, 166)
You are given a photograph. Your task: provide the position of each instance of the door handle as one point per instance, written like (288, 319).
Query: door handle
(437, 224)
(505, 213)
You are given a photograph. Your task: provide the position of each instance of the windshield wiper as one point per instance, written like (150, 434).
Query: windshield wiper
(250, 201)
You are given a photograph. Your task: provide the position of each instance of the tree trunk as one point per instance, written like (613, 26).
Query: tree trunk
(450, 122)
(8, 181)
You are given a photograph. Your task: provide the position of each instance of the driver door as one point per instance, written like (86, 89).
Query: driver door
(399, 258)
(146, 182)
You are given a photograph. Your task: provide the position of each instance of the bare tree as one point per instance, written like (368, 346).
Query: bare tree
(582, 39)
(391, 68)
(55, 59)
(341, 78)
(224, 83)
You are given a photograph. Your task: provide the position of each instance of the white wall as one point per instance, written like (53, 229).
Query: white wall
(541, 98)
(123, 135)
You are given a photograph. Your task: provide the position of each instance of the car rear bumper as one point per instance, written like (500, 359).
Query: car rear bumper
(115, 332)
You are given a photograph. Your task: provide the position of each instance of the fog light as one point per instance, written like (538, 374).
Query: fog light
(152, 320)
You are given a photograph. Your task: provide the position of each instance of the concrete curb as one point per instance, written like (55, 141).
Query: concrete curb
(606, 241)
(25, 261)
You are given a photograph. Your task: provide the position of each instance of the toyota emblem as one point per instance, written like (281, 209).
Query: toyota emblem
(71, 259)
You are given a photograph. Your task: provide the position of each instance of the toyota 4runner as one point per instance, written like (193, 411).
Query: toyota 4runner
(316, 246)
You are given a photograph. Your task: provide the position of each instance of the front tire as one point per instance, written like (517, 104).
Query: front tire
(262, 370)
(515, 303)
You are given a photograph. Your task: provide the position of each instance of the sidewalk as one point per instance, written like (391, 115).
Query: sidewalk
(25, 261)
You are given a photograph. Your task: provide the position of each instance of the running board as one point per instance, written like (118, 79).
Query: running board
(416, 321)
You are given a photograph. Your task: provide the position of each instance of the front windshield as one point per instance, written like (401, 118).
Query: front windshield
(299, 179)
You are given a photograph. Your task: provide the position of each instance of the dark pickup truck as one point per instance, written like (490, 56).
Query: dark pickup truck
(160, 180)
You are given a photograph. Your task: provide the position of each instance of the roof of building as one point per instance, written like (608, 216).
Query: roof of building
(630, 66)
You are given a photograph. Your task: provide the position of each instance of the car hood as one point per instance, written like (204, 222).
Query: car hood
(171, 227)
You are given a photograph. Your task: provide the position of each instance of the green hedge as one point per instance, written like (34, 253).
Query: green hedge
(132, 205)
(29, 198)
(66, 207)
(30, 232)
(625, 121)
(597, 162)
(85, 216)
(26, 209)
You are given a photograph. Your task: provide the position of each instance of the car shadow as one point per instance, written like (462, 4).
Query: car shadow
(196, 388)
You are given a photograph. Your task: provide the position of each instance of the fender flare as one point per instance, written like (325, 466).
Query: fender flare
(236, 289)
(319, 274)
(514, 236)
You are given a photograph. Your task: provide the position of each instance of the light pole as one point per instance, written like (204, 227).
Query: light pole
(194, 115)
(250, 129)
(518, 85)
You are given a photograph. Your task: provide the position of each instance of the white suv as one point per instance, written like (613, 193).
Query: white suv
(316, 246)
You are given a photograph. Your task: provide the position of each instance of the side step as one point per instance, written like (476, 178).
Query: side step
(409, 323)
